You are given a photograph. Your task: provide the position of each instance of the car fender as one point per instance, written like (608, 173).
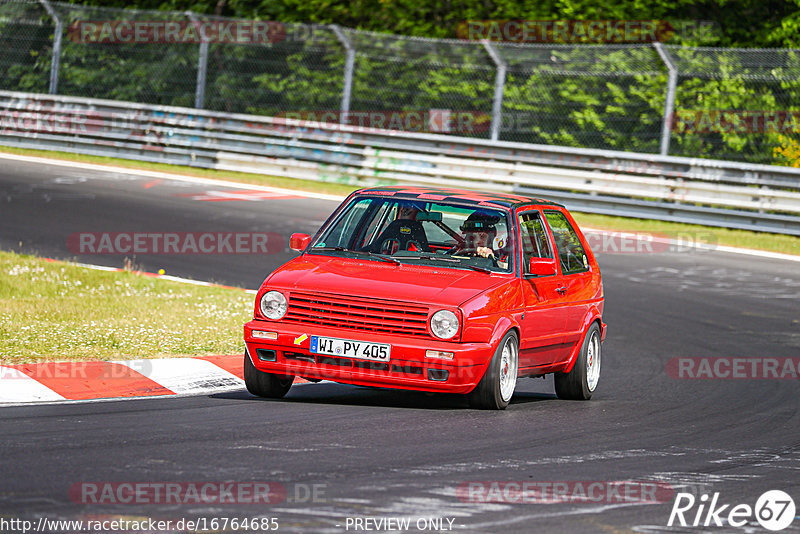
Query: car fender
(591, 316)
(504, 323)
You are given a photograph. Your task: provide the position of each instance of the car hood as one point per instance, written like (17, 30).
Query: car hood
(380, 280)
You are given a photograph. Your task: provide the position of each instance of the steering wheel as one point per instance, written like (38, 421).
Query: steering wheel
(474, 254)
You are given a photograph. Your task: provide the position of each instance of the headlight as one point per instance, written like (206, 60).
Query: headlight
(444, 324)
(273, 305)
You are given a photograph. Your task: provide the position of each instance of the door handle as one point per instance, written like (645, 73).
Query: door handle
(561, 290)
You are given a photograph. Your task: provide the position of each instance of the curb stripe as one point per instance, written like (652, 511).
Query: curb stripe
(231, 364)
(187, 375)
(90, 380)
(129, 379)
(16, 386)
(235, 366)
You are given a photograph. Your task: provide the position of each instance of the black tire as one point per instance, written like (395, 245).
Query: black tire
(576, 385)
(263, 384)
(487, 395)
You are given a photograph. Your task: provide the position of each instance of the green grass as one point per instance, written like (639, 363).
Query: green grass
(54, 311)
(688, 232)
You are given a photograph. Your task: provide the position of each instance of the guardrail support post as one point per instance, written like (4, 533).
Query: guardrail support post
(55, 63)
(202, 64)
(669, 105)
(499, 86)
(349, 63)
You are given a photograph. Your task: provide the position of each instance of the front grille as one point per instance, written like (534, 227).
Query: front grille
(358, 313)
(372, 366)
(407, 369)
(339, 362)
(385, 367)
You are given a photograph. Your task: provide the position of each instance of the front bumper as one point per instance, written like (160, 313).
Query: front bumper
(408, 367)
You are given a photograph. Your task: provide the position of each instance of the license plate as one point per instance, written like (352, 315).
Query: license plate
(347, 348)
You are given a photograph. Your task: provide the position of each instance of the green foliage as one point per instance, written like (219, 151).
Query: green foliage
(583, 95)
(745, 23)
(788, 151)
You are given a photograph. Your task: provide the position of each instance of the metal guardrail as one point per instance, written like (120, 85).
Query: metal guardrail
(709, 192)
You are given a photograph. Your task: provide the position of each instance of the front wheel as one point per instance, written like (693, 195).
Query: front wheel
(496, 388)
(581, 381)
(264, 384)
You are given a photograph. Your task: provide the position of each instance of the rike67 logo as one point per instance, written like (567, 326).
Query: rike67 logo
(774, 510)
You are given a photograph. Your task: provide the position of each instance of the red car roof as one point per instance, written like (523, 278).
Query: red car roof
(443, 193)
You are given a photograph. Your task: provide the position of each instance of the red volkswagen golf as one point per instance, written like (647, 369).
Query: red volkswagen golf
(434, 290)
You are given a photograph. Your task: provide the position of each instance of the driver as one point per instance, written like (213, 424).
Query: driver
(479, 234)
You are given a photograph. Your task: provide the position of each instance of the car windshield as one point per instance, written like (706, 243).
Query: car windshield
(441, 234)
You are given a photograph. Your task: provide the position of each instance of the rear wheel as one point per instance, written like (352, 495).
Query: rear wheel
(263, 384)
(581, 381)
(496, 388)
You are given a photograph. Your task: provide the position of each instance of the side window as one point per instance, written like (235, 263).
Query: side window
(535, 243)
(570, 251)
(380, 219)
(340, 234)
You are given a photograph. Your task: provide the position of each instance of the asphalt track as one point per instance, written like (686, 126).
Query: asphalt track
(380, 453)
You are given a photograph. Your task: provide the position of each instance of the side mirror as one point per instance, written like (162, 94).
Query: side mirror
(542, 266)
(299, 242)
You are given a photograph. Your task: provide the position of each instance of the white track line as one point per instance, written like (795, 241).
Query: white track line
(156, 275)
(338, 198)
(169, 176)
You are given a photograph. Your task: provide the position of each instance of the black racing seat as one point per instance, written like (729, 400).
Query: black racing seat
(401, 234)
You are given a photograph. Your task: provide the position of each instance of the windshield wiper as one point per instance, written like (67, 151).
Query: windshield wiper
(381, 257)
(476, 268)
(364, 252)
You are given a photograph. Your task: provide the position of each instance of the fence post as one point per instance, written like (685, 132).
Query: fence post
(669, 105)
(56, 60)
(202, 63)
(349, 62)
(499, 86)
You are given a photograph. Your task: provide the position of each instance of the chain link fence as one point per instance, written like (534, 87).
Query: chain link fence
(733, 104)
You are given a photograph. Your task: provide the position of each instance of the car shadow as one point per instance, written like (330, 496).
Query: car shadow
(348, 395)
